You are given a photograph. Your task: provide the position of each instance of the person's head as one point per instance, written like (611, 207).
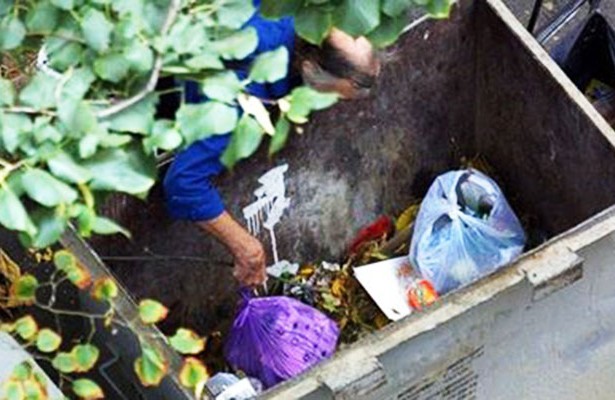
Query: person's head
(343, 64)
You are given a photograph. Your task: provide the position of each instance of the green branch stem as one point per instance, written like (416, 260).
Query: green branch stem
(150, 86)
(27, 110)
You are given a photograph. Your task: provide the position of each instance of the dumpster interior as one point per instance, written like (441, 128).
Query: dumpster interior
(451, 91)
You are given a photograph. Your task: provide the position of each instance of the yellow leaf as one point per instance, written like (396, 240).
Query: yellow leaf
(11, 273)
(192, 373)
(407, 217)
(307, 271)
(338, 287)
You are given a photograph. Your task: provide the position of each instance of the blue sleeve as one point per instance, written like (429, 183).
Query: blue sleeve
(189, 192)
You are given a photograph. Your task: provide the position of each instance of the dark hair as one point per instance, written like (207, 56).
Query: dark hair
(333, 61)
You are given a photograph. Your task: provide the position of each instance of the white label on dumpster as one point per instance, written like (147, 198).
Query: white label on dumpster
(381, 281)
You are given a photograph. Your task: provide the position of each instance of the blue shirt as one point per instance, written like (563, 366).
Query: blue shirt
(189, 192)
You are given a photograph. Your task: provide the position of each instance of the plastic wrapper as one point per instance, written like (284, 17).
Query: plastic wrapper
(465, 230)
(277, 338)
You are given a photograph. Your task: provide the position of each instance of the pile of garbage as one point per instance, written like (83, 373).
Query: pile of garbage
(461, 231)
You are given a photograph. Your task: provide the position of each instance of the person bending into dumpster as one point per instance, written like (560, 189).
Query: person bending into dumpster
(342, 64)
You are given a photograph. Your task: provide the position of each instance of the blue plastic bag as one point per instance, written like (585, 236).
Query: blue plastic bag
(465, 230)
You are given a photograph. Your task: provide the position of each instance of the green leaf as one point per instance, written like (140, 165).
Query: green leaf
(235, 13)
(126, 170)
(22, 371)
(64, 362)
(270, 66)
(205, 61)
(63, 4)
(439, 8)
(96, 30)
(50, 225)
(112, 67)
(78, 116)
(63, 166)
(43, 17)
(282, 131)
(47, 190)
(104, 289)
(192, 373)
(14, 390)
(199, 121)
(276, 9)
(151, 311)
(86, 356)
(357, 17)
(223, 87)
(128, 27)
(186, 37)
(388, 31)
(237, 46)
(12, 32)
(395, 8)
(151, 367)
(87, 389)
(136, 119)
(186, 341)
(13, 214)
(164, 136)
(66, 56)
(79, 83)
(88, 145)
(44, 131)
(304, 100)
(244, 141)
(85, 219)
(7, 93)
(128, 8)
(48, 341)
(66, 262)
(139, 56)
(26, 327)
(15, 130)
(24, 289)
(105, 226)
(115, 140)
(313, 24)
(40, 92)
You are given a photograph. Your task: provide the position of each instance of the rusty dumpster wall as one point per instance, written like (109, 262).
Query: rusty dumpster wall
(535, 131)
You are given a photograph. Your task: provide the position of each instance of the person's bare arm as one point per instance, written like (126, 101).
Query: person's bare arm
(248, 251)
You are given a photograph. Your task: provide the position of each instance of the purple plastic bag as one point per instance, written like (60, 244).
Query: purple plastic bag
(276, 338)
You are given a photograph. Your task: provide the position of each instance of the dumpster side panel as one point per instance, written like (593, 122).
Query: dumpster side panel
(533, 127)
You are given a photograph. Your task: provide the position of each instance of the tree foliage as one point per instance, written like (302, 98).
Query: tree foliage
(82, 122)
(76, 358)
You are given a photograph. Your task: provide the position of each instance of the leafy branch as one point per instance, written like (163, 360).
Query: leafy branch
(47, 344)
(174, 9)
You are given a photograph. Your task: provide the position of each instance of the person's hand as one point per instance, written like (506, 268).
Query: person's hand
(250, 259)
(250, 262)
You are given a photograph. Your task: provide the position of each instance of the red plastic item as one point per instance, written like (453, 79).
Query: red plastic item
(422, 294)
(380, 227)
